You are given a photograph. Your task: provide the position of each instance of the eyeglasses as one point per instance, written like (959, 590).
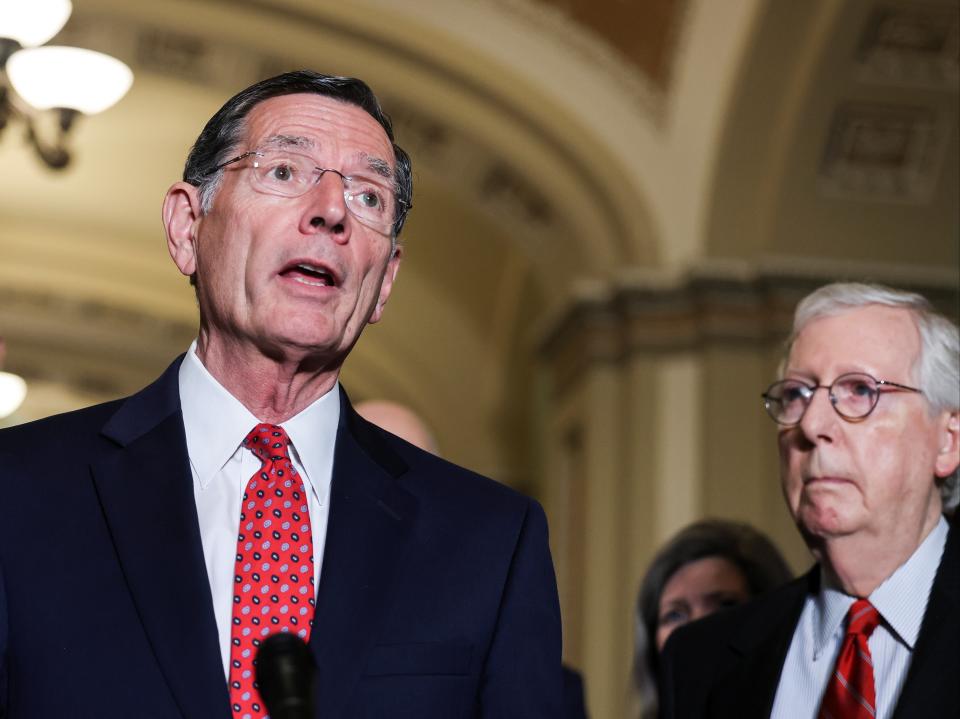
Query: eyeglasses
(853, 396)
(372, 200)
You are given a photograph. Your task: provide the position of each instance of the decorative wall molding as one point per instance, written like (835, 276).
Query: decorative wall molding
(885, 152)
(591, 49)
(913, 45)
(484, 176)
(643, 312)
(89, 345)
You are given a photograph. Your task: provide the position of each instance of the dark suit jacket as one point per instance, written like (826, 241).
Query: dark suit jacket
(729, 664)
(574, 703)
(436, 599)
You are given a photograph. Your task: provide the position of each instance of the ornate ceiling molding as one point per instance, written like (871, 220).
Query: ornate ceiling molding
(892, 153)
(591, 49)
(483, 173)
(92, 346)
(913, 45)
(720, 303)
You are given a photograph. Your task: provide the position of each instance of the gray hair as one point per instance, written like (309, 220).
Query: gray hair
(936, 370)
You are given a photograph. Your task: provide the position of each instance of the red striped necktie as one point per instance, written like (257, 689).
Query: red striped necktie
(850, 692)
(273, 587)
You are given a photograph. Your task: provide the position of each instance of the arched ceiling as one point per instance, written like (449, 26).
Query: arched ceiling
(509, 211)
(842, 142)
(556, 144)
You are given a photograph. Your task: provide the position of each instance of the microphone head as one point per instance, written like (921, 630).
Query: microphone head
(285, 675)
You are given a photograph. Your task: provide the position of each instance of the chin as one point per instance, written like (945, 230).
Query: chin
(824, 522)
(310, 333)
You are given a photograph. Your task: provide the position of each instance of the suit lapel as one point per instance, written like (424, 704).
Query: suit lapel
(762, 646)
(370, 526)
(147, 497)
(935, 666)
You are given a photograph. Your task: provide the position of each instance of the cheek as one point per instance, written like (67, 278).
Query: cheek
(881, 457)
(662, 634)
(790, 469)
(373, 277)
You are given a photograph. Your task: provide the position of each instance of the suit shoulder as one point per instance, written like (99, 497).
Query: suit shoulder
(76, 431)
(72, 427)
(428, 474)
(444, 471)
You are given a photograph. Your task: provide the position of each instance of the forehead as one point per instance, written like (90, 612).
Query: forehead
(334, 130)
(875, 338)
(703, 575)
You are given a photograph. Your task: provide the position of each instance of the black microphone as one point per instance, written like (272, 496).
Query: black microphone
(285, 672)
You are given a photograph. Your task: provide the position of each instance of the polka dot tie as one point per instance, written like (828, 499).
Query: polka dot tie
(850, 692)
(273, 578)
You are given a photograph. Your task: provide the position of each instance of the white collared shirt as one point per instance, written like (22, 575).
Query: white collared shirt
(216, 424)
(901, 601)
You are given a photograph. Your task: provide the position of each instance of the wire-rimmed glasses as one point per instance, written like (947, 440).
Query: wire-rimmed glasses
(853, 395)
(276, 171)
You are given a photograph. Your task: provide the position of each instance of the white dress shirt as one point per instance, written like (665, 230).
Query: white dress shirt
(216, 424)
(901, 601)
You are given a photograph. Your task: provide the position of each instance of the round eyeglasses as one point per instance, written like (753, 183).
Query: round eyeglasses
(853, 395)
(372, 200)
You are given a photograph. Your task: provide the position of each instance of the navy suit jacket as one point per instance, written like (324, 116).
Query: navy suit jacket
(729, 664)
(437, 596)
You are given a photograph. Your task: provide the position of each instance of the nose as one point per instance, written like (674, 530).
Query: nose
(820, 420)
(324, 208)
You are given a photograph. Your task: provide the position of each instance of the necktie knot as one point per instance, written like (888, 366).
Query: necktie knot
(862, 618)
(268, 442)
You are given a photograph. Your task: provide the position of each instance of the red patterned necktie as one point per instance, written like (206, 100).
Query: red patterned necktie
(273, 577)
(850, 692)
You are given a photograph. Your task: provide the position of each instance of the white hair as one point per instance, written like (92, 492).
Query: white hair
(936, 371)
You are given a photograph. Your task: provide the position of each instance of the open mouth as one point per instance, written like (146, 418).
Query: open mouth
(308, 274)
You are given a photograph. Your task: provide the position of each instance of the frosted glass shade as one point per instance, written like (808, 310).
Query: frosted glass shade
(12, 391)
(68, 77)
(32, 22)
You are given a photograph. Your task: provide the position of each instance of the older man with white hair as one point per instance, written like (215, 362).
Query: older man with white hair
(869, 469)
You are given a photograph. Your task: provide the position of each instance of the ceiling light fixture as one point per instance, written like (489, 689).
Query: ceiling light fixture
(12, 387)
(13, 390)
(67, 81)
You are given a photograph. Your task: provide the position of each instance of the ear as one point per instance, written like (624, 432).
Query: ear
(181, 218)
(948, 458)
(386, 286)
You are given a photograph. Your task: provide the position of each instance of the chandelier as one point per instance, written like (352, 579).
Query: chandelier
(38, 79)
(12, 388)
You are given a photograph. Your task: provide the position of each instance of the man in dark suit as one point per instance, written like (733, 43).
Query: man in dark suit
(869, 424)
(149, 545)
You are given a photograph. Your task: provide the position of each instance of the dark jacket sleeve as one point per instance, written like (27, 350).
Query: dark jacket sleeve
(3, 645)
(522, 676)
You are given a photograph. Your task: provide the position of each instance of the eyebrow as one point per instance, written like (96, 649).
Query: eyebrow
(377, 165)
(289, 141)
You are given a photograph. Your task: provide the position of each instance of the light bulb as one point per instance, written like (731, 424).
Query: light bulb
(68, 77)
(12, 391)
(32, 22)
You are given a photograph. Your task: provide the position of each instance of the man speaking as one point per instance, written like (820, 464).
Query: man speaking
(149, 545)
